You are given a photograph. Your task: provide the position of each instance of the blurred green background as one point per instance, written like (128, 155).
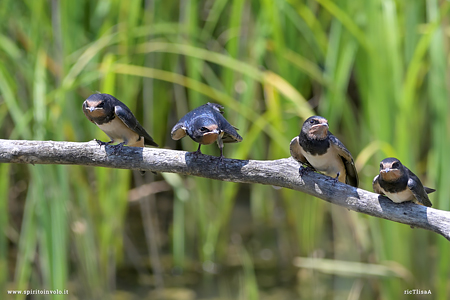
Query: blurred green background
(376, 69)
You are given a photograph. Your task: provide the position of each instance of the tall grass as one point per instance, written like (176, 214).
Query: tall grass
(377, 70)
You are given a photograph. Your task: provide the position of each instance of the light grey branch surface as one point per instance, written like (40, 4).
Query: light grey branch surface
(281, 172)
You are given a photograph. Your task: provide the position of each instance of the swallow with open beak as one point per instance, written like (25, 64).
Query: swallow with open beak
(116, 120)
(317, 148)
(399, 184)
(206, 125)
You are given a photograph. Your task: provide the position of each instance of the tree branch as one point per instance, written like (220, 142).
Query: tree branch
(281, 172)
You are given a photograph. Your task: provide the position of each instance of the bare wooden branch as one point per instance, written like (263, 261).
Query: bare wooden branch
(281, 172)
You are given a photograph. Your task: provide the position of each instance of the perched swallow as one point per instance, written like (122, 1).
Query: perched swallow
(116, 120)
(205, 125)
(399, 184)
(318, 148)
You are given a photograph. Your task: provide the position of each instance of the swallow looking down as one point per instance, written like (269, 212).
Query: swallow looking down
(318, 148)
(116, 120)
(205, 125)
(399, 184)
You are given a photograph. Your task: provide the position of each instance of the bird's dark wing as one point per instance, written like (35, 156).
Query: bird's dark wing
(417, 189)
(429, 190)
(376, 186)
(347, 159)
(295, 151)
(127, 117)
(178, 131)
(230, 134)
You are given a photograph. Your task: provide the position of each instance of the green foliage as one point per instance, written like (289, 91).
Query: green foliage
(376, 69)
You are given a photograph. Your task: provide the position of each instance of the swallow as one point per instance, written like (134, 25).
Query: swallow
(317, 148)
(206, 125)
(399, 184)
(116, 120)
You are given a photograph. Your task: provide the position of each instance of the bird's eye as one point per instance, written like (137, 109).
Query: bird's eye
(101, 104)
(204, 129)
(395, 165)
(381, 165)
(313, 121)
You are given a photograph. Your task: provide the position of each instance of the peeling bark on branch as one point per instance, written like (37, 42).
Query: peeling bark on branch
(281, 172)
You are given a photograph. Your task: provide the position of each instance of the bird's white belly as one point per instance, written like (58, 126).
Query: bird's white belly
(329, 163)
(119, 132)
(406, 195)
